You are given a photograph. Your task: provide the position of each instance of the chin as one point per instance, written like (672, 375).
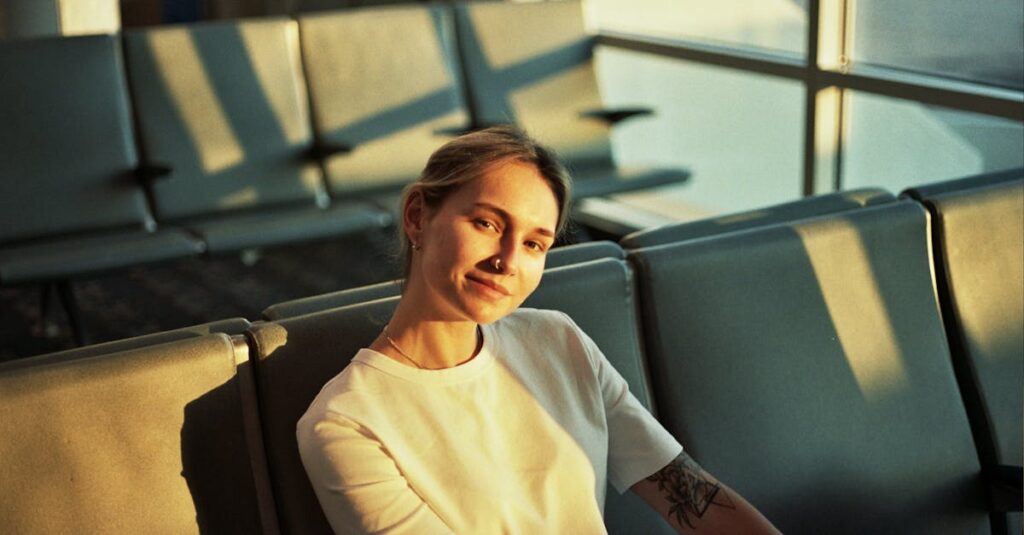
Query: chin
(485, 313)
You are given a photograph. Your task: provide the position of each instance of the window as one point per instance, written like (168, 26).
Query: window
(898, 94)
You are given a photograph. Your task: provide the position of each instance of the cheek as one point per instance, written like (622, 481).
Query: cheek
(453, 249)
(531, 277)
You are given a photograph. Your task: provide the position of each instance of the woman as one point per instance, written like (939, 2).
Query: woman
(469, 415)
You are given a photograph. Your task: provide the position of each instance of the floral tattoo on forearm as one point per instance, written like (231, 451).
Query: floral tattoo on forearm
(689, 491)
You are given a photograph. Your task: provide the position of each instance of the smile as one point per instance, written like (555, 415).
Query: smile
(489, 287)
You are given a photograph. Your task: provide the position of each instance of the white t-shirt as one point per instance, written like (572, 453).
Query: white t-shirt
(520, 439)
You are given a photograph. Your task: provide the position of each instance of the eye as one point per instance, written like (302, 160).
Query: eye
(535, 246)
(486, 224)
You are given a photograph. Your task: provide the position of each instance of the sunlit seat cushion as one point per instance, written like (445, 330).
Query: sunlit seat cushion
(806, 365)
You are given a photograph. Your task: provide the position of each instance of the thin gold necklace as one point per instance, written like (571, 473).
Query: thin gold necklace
(400, 352)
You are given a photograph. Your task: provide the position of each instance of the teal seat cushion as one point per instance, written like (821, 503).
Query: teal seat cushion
(149, 440)
(298, 355)
(980, 237)
(266, 227)
(802, 208)
(75, 255)
(806, 365)
(226, 326)
(66, 147)
(560, 256)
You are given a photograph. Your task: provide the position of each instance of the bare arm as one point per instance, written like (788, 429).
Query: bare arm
(692, 501)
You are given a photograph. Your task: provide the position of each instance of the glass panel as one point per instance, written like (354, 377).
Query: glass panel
(978, 41)
(740, 134)
(779, 25)
(896, 144)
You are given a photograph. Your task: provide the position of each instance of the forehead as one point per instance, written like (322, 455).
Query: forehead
(515, 187)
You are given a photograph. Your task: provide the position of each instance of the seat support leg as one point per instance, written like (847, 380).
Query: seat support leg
(67, 298)
(45, 327)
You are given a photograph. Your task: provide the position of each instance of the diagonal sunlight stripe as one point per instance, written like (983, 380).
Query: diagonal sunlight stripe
(855, 305)
(504, 44)
(183, 73)
(275, 59)
(359, 70)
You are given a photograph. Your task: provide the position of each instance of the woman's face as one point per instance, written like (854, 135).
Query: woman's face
(508, 215)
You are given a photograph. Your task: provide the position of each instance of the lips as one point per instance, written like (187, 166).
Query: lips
(489, 284)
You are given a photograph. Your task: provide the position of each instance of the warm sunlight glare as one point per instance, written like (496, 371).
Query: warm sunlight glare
(275, 60)
(855, 305)
(183, 73)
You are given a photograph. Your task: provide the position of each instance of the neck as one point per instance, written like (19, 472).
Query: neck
(431, 344)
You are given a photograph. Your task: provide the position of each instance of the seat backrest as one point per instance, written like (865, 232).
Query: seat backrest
(806, 365)
(979, 239)
(297, 356)
(227, 326)
(531, 64)
(560, 256)
(830, 203)
(382, 81)
(150, 440)
(66, 147)
(924, 191)
(224, 105)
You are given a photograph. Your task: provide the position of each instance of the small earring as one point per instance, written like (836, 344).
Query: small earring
(416, 246)
(497, 265)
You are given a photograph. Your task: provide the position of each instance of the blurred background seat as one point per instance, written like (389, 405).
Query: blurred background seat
(531, 64)
(71, 203)
(223, 105)
(385, 94)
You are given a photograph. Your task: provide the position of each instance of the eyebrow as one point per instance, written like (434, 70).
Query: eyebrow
(505, 215)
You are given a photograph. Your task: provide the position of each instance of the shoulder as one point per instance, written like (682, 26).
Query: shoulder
(537, 318)
(356, 385)
(536, 331)
(533, 322)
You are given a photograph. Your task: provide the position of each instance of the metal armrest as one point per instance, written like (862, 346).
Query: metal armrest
(1005, 487)
(614, 116)
(321, 150)
(149, 173)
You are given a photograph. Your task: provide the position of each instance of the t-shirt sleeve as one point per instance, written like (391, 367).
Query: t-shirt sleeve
(359, 487)
(638, 445)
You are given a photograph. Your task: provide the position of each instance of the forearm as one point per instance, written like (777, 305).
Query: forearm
(692, 501)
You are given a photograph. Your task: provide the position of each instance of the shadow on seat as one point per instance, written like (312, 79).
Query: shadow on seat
(385, 94)
(531, 64)
(806, 365)
(163, 438)
(224, 106)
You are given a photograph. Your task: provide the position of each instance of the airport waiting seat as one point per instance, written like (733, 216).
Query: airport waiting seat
(223, 106)
(979, 244)
(830, 203)
(298, 355)
(531, 64)
(228, 326)
(71, 203)
(805, 364)
(159, 439)
(385, 94)
(931, 189)
(559, 256)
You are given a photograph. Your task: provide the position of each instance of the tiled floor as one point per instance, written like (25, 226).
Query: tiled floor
(188, 292)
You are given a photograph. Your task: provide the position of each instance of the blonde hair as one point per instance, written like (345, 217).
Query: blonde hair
(467, 157)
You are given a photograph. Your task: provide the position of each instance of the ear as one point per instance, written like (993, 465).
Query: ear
(414, 216)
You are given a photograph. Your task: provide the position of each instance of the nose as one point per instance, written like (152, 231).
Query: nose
(506, 260)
